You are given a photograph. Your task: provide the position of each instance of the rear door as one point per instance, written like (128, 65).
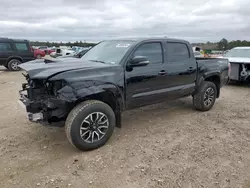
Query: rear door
(181, 69)
(6, 50)
(24, 51)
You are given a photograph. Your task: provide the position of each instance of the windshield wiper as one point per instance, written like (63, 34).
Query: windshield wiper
(98, 61)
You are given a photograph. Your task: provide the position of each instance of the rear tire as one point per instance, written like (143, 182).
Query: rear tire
(205, 97)
(90, 118)
(13, 65)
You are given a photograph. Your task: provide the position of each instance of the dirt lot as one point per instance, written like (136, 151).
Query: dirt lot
(164, 145)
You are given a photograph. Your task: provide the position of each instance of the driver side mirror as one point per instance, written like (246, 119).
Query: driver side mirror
(139, 61)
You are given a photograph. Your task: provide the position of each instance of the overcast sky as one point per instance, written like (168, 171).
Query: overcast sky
(94, 20)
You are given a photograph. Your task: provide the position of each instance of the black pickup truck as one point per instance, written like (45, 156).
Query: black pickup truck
(116, 75)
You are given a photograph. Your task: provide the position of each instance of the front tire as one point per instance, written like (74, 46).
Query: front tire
(13, 65)
(90, 125)
(205, 97)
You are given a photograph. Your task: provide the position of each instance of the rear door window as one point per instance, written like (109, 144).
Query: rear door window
(5, 47)
(21, 46)
(177, 52)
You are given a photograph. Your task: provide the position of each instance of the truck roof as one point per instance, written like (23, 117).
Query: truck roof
(243, 48)
(153, 38)
(12, 40)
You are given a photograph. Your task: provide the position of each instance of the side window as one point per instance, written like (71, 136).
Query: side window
(21, 46)
(5, 47)
(153, 51)
(177, 52)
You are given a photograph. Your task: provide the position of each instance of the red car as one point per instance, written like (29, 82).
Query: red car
(38, 53)
(46, 49)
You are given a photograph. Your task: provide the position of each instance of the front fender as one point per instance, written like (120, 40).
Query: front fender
(77, 91)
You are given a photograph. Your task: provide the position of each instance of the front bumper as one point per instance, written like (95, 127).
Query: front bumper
(45, 111)
(28, 105)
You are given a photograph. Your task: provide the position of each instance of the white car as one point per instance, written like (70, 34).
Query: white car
(239, 59)
(62, 52)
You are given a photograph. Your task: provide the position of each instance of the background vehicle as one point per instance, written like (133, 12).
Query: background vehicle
(81, 53)
(91, 92)
(198, 54)
(38, 54)
(78, 54)
(46, 49)
(14, 52)
(239, 58)
(62, 52)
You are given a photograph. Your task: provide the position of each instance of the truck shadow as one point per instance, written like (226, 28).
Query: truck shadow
(239, 84)
(130, 119)
(157, 111)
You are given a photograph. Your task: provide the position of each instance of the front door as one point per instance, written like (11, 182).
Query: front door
(145, 85)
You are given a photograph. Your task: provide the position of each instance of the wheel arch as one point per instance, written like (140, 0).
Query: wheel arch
(110, 95)
(212, 77)
(14, 57)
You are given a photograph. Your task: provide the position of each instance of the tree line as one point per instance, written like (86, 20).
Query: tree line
(223, 44)
(57, 44)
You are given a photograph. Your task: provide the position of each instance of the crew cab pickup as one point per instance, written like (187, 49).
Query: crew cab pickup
(91, 92)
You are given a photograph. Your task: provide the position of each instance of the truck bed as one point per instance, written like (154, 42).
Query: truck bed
(216, 64)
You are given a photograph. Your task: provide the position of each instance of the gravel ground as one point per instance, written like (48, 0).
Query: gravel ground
(163, 145)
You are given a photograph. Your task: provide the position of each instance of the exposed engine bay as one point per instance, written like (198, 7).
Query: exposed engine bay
(42, 100)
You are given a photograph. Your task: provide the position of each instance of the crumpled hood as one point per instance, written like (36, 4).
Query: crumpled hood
(38, 69)
(238, 59)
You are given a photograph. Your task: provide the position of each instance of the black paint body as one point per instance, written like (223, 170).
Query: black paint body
(128, 87)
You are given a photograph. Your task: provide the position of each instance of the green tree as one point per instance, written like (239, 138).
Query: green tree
(223, 44)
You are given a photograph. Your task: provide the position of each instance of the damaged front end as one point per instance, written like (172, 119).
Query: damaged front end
(43, 100)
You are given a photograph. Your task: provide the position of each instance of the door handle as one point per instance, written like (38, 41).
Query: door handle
(190, 69)
(162, 72)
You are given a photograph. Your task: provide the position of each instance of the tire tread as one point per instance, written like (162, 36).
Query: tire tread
(72, 115)
(198, 97)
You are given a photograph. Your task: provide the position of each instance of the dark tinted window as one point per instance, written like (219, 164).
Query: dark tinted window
(4, 47)
(21, 46)
(152, 51)
(177, 52)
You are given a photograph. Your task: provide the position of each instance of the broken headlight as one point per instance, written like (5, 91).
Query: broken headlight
(54, 86)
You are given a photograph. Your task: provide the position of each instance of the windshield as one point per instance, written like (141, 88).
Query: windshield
(108, 51)
(238, 53)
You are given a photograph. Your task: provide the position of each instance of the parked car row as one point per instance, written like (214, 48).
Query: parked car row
(46, 49)
(14, 52)
(70, 52)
